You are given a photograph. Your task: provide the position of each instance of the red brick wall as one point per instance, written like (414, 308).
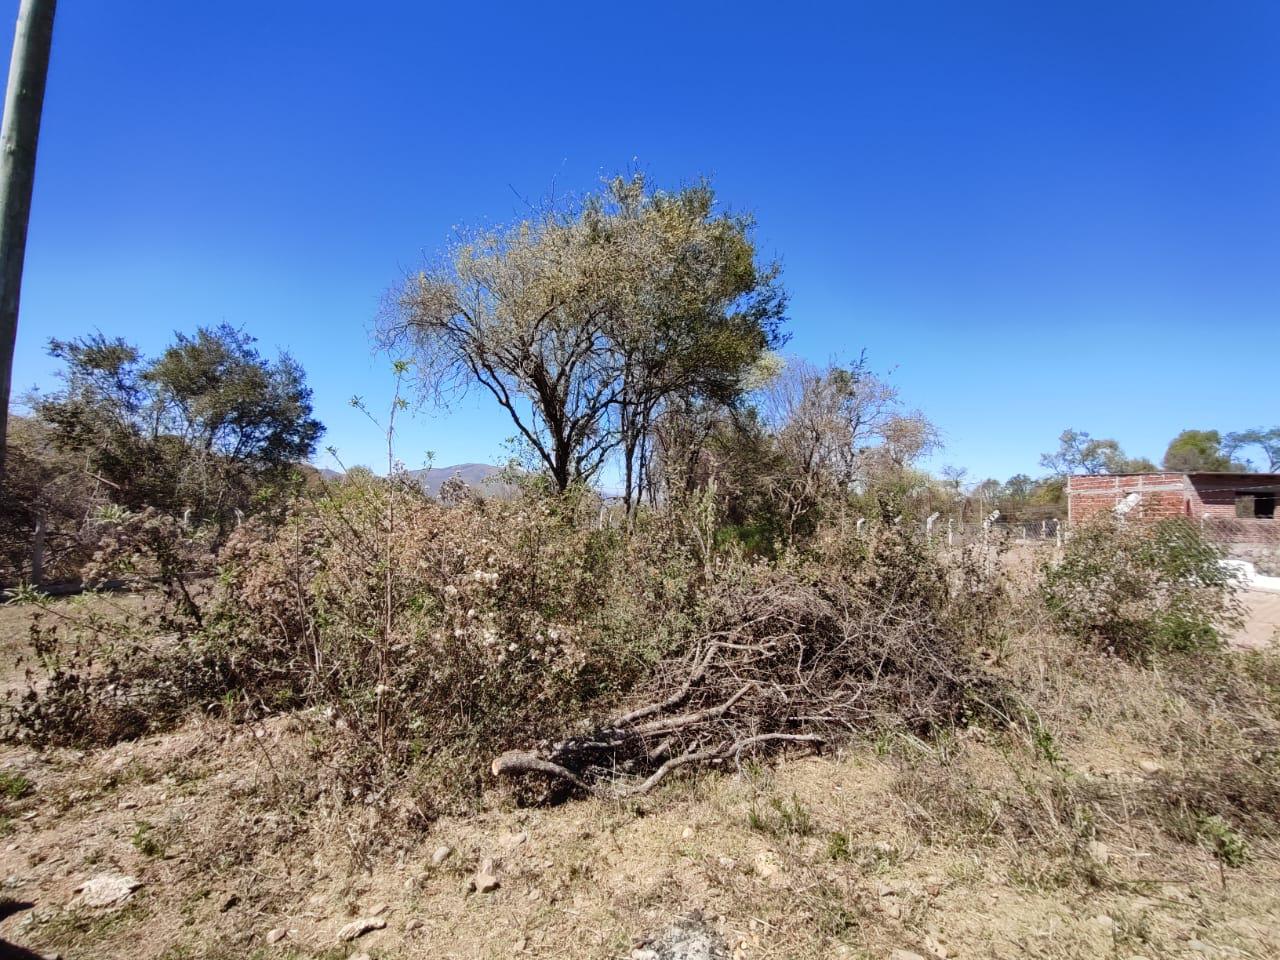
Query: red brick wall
(1209, 499)
(1216, 496)
(1163, 495)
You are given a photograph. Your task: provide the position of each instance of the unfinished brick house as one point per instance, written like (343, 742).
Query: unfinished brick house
(1233, 507)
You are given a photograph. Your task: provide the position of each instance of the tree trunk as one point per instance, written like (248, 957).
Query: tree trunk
(23, 103)
(37, 552)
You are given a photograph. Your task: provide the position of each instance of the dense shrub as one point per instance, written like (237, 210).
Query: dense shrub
(849, 635)
(430, 631)
(1138, 589)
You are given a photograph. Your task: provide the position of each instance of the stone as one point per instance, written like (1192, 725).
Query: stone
(484, 882)
(1098, 852)
(513, 840)
(377, 911)
(905, 955)
(1150, 766)
(684, 940)
(360, 956)
(412, 924)
(440, 854)
(766, 866)
(687, 834)
(276, 934)
(106, 890)
(359, 927)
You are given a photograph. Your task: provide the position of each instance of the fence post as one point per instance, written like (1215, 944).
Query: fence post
(986, 524)
(928, 526)
(951, 531)
(857, 527)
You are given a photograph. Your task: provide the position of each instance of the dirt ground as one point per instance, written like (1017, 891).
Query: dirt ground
(843, 855)
(1262, 624)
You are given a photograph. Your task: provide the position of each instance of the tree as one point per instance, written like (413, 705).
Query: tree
(1267, 440)
(19, 137)
(1195, 451)
(1018, 487)
(197, 428)
(582, 322)
(843, 425)
(1078, 453)
(833, 432)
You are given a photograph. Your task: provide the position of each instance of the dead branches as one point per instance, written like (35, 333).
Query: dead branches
(796, 657)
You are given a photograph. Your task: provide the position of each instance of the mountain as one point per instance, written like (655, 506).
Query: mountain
(481, 477)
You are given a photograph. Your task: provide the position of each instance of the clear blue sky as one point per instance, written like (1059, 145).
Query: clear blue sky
(1040, 215)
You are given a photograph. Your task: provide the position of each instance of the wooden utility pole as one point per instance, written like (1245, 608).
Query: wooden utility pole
(23, 103)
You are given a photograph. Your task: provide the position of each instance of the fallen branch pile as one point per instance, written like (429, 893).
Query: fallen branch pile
(790, 659)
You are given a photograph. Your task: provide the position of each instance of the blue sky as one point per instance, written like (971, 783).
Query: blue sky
(1038, 215)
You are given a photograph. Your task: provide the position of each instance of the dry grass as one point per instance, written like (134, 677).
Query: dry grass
(976, 844)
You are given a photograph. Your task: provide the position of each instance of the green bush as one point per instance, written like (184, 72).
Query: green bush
(1139, 589)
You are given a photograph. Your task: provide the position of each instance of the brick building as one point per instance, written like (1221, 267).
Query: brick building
(1236, 507)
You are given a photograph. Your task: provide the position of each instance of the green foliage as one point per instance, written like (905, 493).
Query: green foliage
(1138, 589)
(781, 818)
(14, 786)
(147, 841)
(583, 323)
(1194, 451)
(197, 428)
(1223, 842)
(839, 847)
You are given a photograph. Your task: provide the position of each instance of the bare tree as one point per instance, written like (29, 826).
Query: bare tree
(23, 105)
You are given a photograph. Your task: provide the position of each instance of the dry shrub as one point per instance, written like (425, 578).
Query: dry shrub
(107, 677)
(432, 635)
(1136, 589)
(805, 651)
(423, 639)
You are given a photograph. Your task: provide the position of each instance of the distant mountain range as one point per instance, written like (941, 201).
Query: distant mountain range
(481, 477)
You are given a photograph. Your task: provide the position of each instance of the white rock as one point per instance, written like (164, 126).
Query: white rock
(276, 934)
(905, 955)
(359, 927)
(440, 855)
(106, 890)
(1098, 852)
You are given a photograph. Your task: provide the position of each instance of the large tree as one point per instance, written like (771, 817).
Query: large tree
(194, 429)
(1197, 451)
(582, 322)
(1268, 441)
(1079, 453)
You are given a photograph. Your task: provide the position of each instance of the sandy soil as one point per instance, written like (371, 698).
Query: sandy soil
(1262, 626)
